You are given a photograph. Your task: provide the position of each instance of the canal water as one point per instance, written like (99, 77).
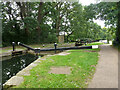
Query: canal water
(12, 65)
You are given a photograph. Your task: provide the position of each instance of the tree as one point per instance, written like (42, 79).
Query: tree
(41, 22)
(108, 11)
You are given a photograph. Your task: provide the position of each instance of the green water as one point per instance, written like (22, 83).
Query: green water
(12, 65)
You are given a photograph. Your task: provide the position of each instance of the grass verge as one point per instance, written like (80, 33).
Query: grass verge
(95, 43)
(82, 65)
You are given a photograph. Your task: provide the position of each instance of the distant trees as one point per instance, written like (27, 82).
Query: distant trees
(41, 22)
(109, 12)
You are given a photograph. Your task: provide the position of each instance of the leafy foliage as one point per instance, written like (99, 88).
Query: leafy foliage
(109, 12)
(41, 22)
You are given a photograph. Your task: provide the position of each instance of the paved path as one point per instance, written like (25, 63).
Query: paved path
(106, 75)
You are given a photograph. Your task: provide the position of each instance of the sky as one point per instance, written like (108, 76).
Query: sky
(88, 2)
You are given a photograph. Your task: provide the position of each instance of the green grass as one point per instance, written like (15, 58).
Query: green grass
(0, 45)
(82, 69)
(96, 49)
(95, 43)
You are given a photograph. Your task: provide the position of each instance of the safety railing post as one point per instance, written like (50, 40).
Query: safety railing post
(13, 44)
(55, 45)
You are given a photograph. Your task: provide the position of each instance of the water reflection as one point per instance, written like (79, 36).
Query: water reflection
(12, 66)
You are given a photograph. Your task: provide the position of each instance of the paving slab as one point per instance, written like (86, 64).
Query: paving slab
(63, 53)
(60, 70)
(14, 81)
(24, 72)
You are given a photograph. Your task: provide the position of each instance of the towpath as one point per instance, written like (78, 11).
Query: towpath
(106, 75)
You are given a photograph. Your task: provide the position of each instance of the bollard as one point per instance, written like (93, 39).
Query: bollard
(55, 45)
(13, 44)
(85, 43)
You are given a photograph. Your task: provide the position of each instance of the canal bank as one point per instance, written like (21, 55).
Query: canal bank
(18, 78)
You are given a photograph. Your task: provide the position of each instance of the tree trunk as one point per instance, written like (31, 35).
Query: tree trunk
(40, 17)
